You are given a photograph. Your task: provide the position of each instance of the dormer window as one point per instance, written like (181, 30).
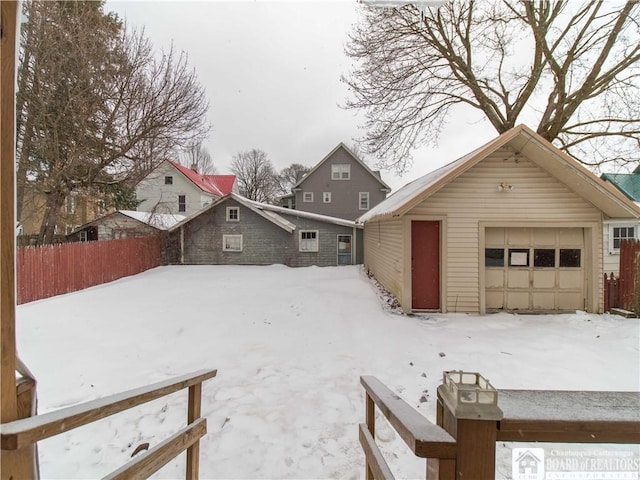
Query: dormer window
(341, 171)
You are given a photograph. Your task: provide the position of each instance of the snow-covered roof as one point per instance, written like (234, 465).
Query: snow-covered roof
(557, 163)
(410, 190)
(161, 221)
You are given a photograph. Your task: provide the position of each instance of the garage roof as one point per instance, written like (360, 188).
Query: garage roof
(538, 150)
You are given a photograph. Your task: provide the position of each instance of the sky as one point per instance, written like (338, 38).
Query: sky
(271, 70)
(287, 400)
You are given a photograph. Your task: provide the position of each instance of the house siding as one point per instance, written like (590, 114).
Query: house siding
(264, 243)
(155, 196)
(468, 204)
(117, 225)
(611, 260)
(384, 253)
(344, 193)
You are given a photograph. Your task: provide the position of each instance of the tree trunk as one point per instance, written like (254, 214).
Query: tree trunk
(48, 227)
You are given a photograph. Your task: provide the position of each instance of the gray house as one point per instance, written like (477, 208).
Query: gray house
(237, 231)
(341, 185)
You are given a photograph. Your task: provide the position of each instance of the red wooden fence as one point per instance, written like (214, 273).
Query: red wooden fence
(50, 270)
(629, 282)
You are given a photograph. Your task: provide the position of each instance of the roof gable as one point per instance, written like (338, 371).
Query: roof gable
(523, 141)
(351, 154)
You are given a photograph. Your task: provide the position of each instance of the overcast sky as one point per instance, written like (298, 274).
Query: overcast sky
(272, 72)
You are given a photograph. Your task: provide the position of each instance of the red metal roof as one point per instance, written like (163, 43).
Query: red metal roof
(219, 185)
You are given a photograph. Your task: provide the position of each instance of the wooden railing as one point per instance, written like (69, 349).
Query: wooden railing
(462, 448)
(425, 439)
(24, 433)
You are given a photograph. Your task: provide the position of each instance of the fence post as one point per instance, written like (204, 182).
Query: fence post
(370, 414)
(465, 413)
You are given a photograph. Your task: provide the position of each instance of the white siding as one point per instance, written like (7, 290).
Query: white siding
(473, 200)
(612, 260)
(383, 253)
(160, 198)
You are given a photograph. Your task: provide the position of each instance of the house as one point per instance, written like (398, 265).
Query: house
(617, 229)
(514, 225)
(124, 224)
(341, 185)
(78, 208)
(236, 231)
(174, 188)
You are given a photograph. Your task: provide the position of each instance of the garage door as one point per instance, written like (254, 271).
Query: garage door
(536, 269)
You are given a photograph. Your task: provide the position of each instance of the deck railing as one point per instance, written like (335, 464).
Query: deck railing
(462, 448)
(425, 439)
(24, 433)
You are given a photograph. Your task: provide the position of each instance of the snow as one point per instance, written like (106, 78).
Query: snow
(290, 346)
(162, 221)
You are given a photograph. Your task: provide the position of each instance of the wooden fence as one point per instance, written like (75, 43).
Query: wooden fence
(50, 270)
(623, 291)
(629, 282)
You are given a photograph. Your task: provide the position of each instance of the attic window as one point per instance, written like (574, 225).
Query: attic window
(233, 214)
(307, 197)
(168, 180)
(341, 171)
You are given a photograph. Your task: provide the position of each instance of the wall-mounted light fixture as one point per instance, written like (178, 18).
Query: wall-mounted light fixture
(505, 187)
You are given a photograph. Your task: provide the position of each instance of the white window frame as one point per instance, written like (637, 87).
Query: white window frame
(303, 242)
(307, 197)
(229, 248)
(231, 209)
(616, 251)
(362, 196)
(70, 204)
(326, 197)
(84, 236)
(341, 171)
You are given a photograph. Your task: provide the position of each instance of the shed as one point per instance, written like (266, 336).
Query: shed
(124, 224)
(237, 231)
(514, 225)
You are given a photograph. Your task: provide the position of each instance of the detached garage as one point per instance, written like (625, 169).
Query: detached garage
(514, 225)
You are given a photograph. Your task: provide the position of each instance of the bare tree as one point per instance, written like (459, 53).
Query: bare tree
(255, 175)
(289, 176)
(96, 106)
(199, 159)
(571, 67)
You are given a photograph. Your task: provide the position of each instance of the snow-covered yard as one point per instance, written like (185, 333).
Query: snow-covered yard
(289, 346)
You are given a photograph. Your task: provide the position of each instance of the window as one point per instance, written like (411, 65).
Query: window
(307, 197)
(363, 201)
(341, 171)
(232, 243)
(569, 257)
(544, 257)
(83, 236)
(308, 240)
(101, 207)
(617, 234)
(182, 203)
(233, 214)
(494, 257)
(168, 180)
(326, 197)
(518, 257)
(70, 204)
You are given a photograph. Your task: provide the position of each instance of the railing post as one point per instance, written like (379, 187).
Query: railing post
(193, 413)
(468, 411)
(370, 414)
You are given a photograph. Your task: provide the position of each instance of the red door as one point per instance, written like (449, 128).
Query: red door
(425, 265)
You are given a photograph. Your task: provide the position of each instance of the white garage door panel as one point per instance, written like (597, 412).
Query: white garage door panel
(541, 283)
